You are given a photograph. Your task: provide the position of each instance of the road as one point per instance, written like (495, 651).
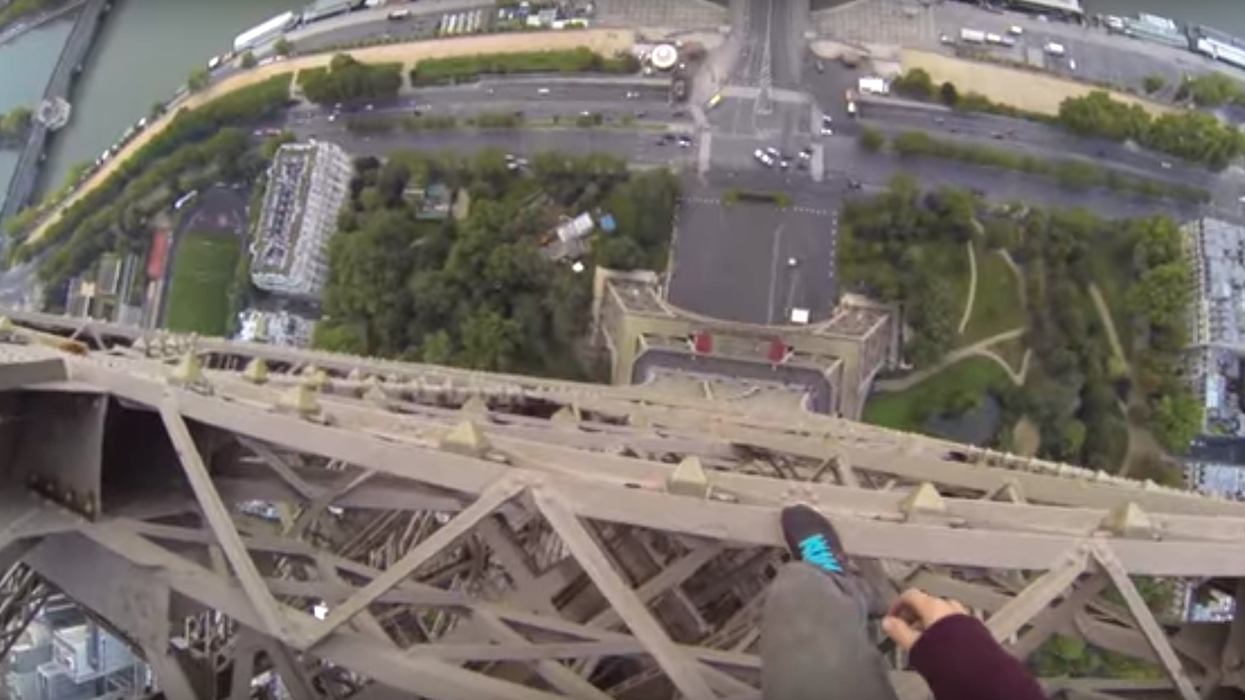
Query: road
(536, 96)
(754, 263)
(636, 147)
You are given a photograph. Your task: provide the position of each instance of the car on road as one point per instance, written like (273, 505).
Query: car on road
(855, 185)
(542, 91)
(827, 125)
(784, 164)
(632, 95)
(806, 154)
(685, 141)
(765, 158)
(1165, 165)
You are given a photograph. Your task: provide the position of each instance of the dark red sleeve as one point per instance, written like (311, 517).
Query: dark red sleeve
(959, 660)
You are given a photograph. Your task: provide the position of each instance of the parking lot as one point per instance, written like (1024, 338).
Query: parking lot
(1100, 57)
(1082, 59)
(753, 263)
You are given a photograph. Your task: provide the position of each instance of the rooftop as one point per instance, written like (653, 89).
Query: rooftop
(1067, 6)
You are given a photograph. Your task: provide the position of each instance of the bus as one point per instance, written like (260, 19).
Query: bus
(715, 100)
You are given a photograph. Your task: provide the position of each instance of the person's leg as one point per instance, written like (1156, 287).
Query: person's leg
(814, 640)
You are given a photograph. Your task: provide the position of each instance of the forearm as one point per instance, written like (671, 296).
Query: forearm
(959, 660)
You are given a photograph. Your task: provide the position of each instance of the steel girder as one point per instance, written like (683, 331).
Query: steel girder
(465, 535)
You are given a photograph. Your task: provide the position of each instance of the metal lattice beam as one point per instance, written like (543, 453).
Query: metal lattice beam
(483, 536)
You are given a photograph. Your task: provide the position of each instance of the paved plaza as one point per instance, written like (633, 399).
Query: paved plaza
(673, 14)
(879, 22)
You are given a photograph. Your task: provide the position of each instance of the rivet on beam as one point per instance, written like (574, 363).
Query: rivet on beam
(1130, 521)
(188, 372)
(689, 479)
(475, 408)
(566, 416)
(372, 391)
(256, 371)
(466, 438)
(300, 399)
(924, 499)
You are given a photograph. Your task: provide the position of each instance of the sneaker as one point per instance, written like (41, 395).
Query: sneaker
(812, 539)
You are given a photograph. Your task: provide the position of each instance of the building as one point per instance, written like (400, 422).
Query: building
(275, 327)
(264, 32)
(63, 655)
(1158, 29)
(1064, 8)
(323, 9)
(307, 185)
(434, 202)
(823, 367)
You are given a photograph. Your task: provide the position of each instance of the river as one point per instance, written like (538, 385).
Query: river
(148, 47)
(145, 51)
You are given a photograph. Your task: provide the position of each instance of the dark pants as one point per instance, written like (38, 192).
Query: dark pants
(814, 639)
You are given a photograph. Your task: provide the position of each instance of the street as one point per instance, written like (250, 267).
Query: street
(754, 263)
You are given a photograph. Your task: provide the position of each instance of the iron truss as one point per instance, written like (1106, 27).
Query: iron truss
(371, 529)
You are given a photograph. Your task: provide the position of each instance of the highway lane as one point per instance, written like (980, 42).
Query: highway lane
(636, 147)
(1019, 134)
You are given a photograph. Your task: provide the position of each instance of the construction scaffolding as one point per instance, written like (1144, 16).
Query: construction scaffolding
(372, 529)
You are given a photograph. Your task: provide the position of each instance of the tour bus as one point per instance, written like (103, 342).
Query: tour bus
(715, 100)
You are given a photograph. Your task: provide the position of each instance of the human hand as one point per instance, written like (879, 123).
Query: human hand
(914, 612)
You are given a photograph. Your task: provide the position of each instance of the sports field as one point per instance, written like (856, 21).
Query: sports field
(199, 289)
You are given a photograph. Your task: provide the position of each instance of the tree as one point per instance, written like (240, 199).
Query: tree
(1212, 89)
(1176, 419)
(948, 94)
(248, 60)
(871, 139)
(283, 47)
(198, 79)
(1153, 83)
(15, 123)
(490, 342)
(438, 349)
(914, 83)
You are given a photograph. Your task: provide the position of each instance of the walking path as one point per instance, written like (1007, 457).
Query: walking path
(978, 349)
(1104, 313)
(972, 287)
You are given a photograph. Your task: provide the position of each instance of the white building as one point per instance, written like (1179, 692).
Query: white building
(307, 185)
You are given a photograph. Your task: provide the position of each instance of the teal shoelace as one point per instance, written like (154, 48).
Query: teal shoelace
(816, 551)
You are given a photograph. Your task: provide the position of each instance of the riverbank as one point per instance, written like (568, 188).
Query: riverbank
(605, 42)
(1041, 92)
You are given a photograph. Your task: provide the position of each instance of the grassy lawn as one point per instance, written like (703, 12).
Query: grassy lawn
(199, 288)
(909, 410)
(996, 307)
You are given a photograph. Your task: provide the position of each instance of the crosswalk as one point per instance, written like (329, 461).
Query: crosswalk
(716, 202)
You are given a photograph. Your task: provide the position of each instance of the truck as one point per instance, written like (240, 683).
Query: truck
(972, 36)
